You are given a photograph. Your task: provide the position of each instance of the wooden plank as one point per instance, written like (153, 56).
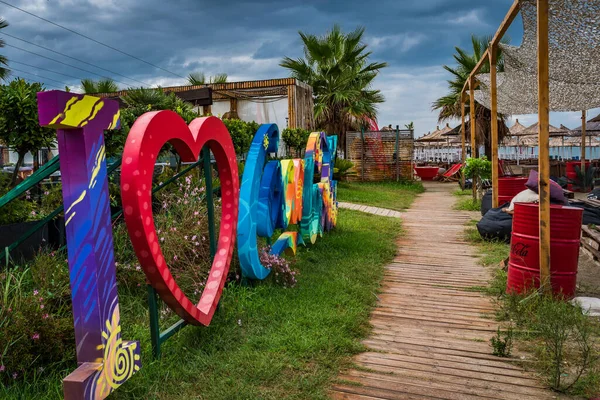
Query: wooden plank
(583, 122)
(494, 121)
(463, 135)
(543, 143)
(473, 130)
(430, 334)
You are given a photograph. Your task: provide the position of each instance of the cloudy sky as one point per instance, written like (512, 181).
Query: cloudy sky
(247, 39)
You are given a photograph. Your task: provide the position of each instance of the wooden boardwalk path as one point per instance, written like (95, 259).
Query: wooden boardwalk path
(430, 337)
(384, 212)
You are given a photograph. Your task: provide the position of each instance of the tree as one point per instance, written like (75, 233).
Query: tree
(449, 105)
(105, 85)
(138, 102)
(337, 67)
(20, 129)
(198, 79)
(4, 72)
(410, 126)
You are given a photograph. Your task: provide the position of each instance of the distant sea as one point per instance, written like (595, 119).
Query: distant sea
(562, 152)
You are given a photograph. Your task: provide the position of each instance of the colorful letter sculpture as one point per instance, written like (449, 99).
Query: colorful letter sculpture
(105, 359)
(147, 136)
(283, 193)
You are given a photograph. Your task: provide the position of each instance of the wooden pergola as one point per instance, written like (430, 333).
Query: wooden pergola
(543, 122)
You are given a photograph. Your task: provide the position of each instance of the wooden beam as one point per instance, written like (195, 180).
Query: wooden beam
(494, 122)
(543, 143)
(583, 127)
(508, 19)
(473, 132)
(463, 137)
(475, 70)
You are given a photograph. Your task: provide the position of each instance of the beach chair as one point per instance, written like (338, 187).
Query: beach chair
(452, 175)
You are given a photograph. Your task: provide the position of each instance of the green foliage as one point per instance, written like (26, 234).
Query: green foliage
(296, 139)
(18, 210)
(241, 133)
(563, 338)
(198, 78)
(468, 205)
(4, 72)
(481, 168)
(260, 332)
(583, 180)
(20, 129)
(140, 101)
(410, 126)
(449, 105)
(392, 195)
(105, 85)
(342, 169)
(337, 67)
(502, 343)
(35, 319)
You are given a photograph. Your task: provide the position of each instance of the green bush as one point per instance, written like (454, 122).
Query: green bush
(343, 169)
(35, 319)
(296, 139)
(241, 133)
(481, 168)
(18, 210)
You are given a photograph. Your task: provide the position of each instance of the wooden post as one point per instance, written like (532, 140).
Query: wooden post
(463, 135)
(362, 155)
(583, 126)
(473, 132)
(494, 111)
(543, 142)
(397, 153)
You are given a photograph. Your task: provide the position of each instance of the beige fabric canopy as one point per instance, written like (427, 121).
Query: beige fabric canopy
(574, 57)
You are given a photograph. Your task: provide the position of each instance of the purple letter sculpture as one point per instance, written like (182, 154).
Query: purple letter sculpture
(105, 360)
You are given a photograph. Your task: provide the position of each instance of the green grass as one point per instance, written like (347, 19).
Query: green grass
(468, 204)
(265, 341)
(391, 195)
(558, 336)
(462, 192)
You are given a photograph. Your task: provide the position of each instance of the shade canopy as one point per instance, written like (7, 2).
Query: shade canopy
(574, 61)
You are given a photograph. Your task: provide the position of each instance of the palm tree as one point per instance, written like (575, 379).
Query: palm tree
(449, 105)
(336, 66)
(105, 85)
(198, 79)
(4, 72)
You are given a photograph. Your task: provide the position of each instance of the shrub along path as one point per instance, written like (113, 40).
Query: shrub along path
(431, 336)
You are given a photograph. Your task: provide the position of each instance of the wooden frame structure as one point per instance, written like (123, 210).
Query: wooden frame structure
(299, 96)
(543, 123)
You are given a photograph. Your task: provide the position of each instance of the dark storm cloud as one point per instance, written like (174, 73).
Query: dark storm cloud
(247, 39)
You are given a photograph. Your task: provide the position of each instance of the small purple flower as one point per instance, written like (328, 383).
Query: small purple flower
(35, 336)
(41, 306)
(2, 368)
(193, 237)
(35, 292)
(138, 268)
(174, 258)
(14, 375)
(45, 316)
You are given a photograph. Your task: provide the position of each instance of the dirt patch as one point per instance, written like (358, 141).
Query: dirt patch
(588, 276)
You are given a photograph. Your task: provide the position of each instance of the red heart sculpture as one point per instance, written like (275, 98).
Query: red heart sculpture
(147, 136)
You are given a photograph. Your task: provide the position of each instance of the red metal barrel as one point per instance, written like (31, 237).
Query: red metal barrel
(509, 187)
(524, 262)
